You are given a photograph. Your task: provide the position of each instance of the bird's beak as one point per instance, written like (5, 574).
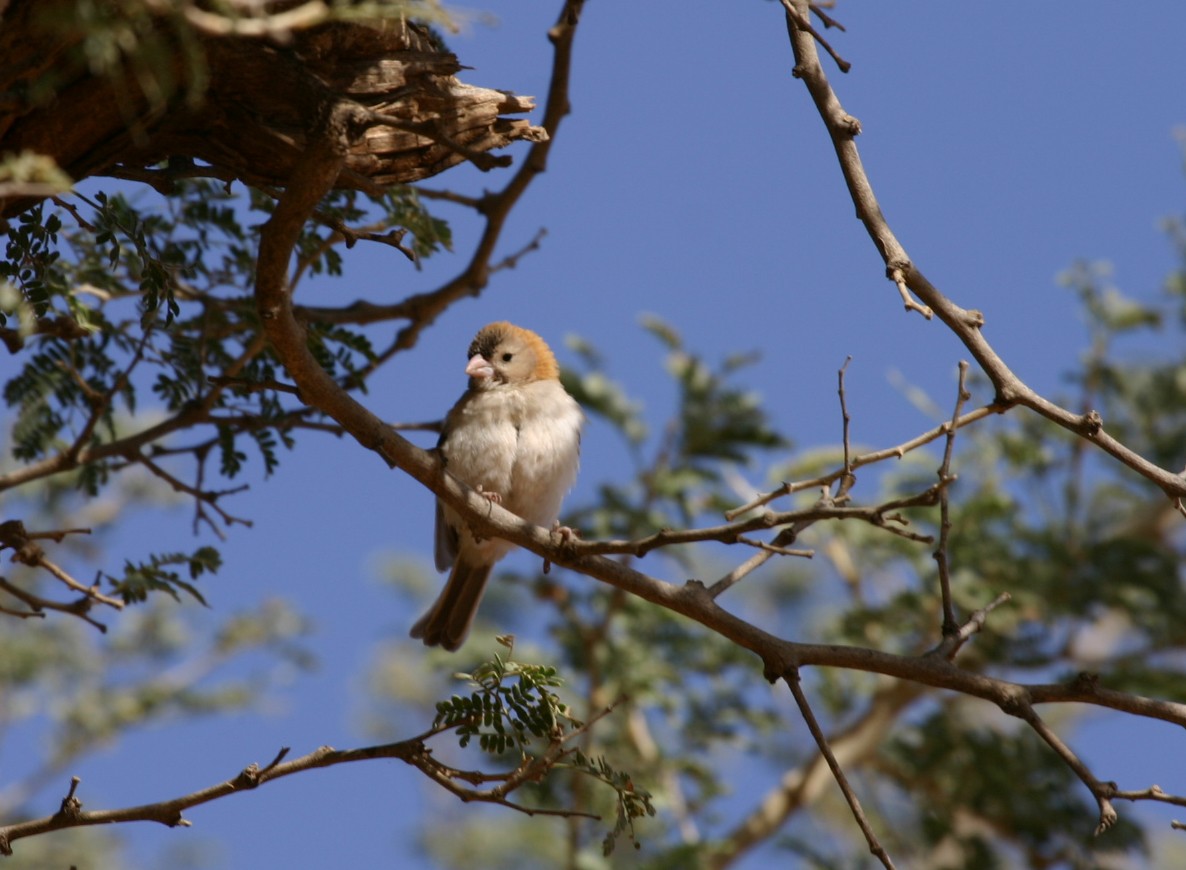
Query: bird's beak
(478, 367)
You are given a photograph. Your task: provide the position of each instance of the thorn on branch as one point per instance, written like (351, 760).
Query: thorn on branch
(280, 756)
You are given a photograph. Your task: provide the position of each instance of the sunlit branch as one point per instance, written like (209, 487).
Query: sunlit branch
(966, 324)
(861, 460)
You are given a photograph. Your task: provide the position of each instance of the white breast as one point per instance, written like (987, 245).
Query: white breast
(522, 442)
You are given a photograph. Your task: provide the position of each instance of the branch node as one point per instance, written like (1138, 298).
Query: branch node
(898, 276)
(71, 807)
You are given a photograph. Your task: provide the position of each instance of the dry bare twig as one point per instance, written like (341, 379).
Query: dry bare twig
(941, 552)
(1010, 390)
(413, 752)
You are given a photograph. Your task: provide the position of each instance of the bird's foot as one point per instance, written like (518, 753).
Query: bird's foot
(489, 495)
(566, 534)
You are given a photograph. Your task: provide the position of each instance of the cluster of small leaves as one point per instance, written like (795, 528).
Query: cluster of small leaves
(30, 263)
(341, 352)
(118, 297)
(184, 262)
(189, 255)
(63, 384)
(152, 257)
(158, 574)
(632, 803)
(718, 421)
(510, 708)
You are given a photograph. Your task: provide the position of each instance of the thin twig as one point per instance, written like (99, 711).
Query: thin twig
(884, 516)
(208, 497)
(951, 643)
(91, 592)
(896, 452)
(80, 607)
(942, 561)
(774, 548)
(847, 480)
(1101, 791)
(854, 804)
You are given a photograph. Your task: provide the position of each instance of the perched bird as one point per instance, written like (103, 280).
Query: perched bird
(515, 437)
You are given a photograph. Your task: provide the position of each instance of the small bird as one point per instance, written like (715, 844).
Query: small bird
(514, 436)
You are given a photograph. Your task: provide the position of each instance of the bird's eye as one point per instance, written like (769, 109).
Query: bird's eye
(507, 357)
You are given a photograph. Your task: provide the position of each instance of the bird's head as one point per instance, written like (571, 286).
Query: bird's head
(502, 353)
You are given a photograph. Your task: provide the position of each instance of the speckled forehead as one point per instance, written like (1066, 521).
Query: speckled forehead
(486, 341)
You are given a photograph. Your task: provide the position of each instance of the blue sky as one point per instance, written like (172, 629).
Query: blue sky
(694, 180)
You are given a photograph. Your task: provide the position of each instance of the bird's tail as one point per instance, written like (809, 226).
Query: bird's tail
(449, 619)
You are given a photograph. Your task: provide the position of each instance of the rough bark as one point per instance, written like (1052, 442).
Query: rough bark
(242, 106)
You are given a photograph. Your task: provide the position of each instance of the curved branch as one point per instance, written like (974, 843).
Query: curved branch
(1010, 389)
(169, 812)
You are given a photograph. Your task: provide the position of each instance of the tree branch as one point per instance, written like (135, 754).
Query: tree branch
(169, 812)
(1010, 389)
(850, 796)
(862, 460)
(804, 784)
(949, 627)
